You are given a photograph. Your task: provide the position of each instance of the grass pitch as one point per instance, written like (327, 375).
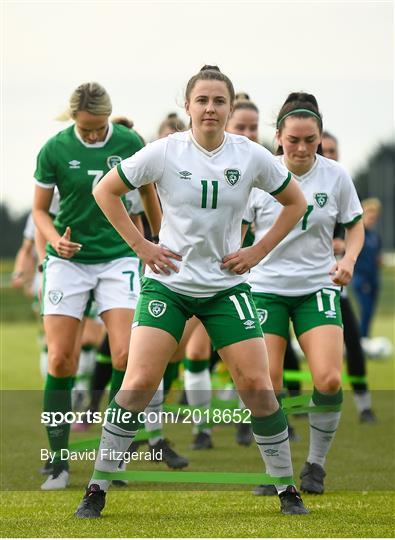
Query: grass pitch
(359, 501)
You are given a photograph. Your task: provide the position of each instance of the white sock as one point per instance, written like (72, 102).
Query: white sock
(198, 392)
(154, 409)
(323, 428)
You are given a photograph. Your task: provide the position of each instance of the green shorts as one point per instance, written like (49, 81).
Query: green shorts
(306, 312)
(229, 316)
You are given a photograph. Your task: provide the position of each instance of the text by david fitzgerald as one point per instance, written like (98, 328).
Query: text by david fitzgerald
(104, 454)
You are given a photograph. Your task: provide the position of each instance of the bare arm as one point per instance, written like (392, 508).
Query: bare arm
(152, 208)
(24, 264)
(43, 221)
(244, 229)
(343, 270)
(138, 222)
(108, 194)
(294, 204)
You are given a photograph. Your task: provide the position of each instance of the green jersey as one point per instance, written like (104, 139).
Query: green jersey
(75, 167)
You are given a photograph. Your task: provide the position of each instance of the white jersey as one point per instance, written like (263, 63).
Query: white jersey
(134, 206)
(301, 263)
(203, 196)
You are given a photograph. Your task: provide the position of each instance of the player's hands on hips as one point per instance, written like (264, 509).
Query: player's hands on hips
(241, 261)
(341, 273)
(157, 257)
(64, 247)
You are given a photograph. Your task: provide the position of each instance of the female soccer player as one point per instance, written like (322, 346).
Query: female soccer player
(85, 254)
(301, 279)
(204, 177)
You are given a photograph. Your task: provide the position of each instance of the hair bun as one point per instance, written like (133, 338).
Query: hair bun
(242, 96)
(212, 68)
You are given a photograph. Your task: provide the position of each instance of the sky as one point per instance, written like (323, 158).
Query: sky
(143, 53)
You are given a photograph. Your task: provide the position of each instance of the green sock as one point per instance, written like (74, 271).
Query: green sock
(171, 373)
(57, 398)
(116, 383)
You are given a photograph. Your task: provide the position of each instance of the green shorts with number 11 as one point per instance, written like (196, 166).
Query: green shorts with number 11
(306, 312)
(229, 316)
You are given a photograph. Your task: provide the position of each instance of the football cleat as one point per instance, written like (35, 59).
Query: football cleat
(267, 490)
(168, 455)
(59, 479)
(291, 502)
(312, 478)
(367, 416)
(202, 441)
(92, 503)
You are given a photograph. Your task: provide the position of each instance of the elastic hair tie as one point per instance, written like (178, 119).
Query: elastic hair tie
(295, 111)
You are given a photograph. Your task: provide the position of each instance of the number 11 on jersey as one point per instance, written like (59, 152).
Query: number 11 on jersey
(214, 197)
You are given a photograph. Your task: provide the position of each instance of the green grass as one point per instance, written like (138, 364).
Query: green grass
(359, 500)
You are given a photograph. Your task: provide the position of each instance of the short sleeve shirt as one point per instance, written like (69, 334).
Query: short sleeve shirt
(75, 167)
(301, 263)
(203, 196)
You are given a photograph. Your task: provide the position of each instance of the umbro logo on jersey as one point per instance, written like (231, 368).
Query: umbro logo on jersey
(185, 175)
(321, 199)
(249, 324)
(74, 164)
(330, 314)
(232, 176)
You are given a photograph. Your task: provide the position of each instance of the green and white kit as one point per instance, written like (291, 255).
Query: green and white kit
(105, 264)
(75, 167)
(301, 263)
(203, 196)
(293, 281)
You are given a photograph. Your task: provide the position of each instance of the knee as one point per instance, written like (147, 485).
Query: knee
(198, 352)
(119, 357)
(61, 363)
(329, 384)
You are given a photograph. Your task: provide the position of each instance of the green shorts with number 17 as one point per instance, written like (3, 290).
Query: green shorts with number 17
(306, 312)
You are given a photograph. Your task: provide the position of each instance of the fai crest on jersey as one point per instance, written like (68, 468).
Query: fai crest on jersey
(232, 176)
(321, 199)
(113, 161)
(55, 297)
(157, 308)
(262, 314)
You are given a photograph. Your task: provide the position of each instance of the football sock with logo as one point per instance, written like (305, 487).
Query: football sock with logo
(117, 435)
(323, 425)
(116, 382)
(271, 435)
(57, 398)
(198, 388)
(153, 424)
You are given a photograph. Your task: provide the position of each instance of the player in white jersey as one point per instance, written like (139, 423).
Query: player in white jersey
(204, 177)
(83, 253)
(243, 120)
(301, 279)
